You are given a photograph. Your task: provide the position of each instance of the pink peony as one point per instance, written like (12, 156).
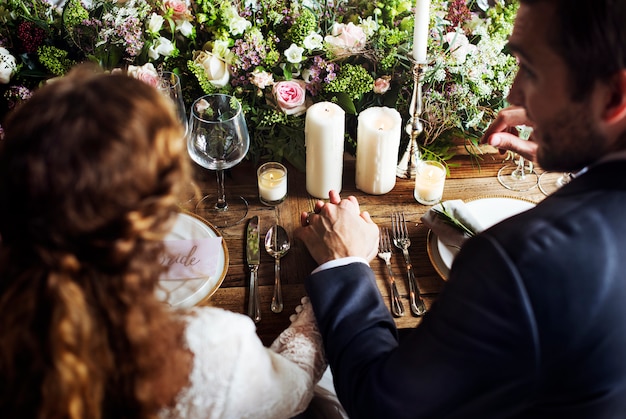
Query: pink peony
(291, 96)
(346, 39)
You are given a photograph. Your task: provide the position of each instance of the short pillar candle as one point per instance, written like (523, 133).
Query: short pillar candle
(324, 131)
(430, 178)
(272, 180)
(378, 140)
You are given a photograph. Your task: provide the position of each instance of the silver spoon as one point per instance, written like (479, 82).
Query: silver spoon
(277, 244)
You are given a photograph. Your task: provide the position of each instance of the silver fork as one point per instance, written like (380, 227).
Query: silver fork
(401, 241)
(384, 252)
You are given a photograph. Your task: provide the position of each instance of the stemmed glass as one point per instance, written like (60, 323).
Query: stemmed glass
(169, 85)
(520, 176)
(218, 139)
(549, 182)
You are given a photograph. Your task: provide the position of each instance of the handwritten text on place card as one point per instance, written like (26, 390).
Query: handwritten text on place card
(194, 258)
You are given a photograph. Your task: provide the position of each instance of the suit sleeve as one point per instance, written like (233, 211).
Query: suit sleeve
(473, 355)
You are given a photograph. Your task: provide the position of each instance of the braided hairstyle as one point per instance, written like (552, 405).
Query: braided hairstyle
(89, 172)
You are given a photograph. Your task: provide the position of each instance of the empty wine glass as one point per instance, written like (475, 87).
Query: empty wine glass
(169, 85)
(549, 182)
(218, 139)
(520, 176)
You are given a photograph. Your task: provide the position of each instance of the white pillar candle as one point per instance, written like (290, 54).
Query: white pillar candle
(430, 178)
(272, 181)
(378, 140)
(420, 30)
(323, 138)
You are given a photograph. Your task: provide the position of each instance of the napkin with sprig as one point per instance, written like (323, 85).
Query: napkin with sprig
(452, 222)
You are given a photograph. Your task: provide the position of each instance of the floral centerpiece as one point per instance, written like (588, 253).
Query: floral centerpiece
(278, 57)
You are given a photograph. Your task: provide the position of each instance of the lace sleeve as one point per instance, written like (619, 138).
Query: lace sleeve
(301, 342)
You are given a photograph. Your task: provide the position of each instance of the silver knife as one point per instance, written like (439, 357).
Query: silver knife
(253, 255)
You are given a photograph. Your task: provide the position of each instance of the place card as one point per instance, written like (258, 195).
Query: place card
(189, 259)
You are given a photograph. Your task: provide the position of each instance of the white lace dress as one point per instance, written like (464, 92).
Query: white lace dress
(235, 376)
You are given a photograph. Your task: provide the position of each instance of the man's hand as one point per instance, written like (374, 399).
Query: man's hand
(503, 135)
(338, 229)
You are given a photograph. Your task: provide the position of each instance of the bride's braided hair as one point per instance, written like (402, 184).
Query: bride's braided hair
(89, 172)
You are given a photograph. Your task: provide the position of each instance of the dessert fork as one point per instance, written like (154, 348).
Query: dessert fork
(401, 241)
(384, 252)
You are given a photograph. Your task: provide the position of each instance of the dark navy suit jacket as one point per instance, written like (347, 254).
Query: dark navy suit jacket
(531, 324)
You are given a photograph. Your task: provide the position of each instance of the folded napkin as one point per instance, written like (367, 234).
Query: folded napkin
(444, 219)
(187, 259)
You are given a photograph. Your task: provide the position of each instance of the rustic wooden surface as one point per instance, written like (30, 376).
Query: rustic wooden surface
(466, 181)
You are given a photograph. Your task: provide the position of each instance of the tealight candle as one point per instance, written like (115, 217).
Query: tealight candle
(272, 180)
(430, 177)
(378, 140)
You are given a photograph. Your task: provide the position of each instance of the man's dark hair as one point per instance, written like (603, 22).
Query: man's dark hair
(590, 35)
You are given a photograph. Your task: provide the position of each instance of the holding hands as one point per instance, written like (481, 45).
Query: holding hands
(338, 229)
(503, 135)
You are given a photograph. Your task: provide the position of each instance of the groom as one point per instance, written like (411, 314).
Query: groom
(532, 322)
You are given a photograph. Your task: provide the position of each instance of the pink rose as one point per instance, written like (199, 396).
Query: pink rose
(291, 96)
(178, 7)
(146, 73)
(346, 39)
(381, 85)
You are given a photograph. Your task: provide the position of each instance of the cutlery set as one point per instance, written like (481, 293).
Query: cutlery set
(402, 241)
(276, 244)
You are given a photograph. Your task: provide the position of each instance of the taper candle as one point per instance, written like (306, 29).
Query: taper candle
(420, 30)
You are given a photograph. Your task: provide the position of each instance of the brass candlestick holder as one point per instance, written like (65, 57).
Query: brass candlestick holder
(408, 163)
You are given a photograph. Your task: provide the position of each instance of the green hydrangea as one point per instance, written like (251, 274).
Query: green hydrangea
(54, 60)
(304, 24)
(354, 80)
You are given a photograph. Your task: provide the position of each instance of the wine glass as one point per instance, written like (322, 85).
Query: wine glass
(520, 176)
(218, 139)
(549, 182)
(169, 85)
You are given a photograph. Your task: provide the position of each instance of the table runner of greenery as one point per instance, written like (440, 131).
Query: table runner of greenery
(278, 57)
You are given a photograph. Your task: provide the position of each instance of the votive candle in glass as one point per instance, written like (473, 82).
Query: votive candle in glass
(430, 178)
(272, 180)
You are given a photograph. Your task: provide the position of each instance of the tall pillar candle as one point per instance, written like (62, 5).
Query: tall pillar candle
(323, 138)
(420, 30)
(378, 140)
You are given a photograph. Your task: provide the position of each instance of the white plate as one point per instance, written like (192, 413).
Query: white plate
(187, 293)
(488, 211)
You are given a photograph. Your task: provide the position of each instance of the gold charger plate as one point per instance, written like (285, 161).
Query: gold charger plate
(189, 292)
(488, 210)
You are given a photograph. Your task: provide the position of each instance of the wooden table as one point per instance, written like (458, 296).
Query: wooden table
(466, 181)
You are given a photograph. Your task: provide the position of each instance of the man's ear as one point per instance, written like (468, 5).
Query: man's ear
(615, 105)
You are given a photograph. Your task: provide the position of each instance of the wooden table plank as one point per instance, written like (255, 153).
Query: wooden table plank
(466, 181)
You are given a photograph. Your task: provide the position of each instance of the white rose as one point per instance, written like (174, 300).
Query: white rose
(215, 69)
(161, 46)
(7, 65)
(155, 23)
(313, 41)
(238, 25)
(185, 28)
(460, 46)
(294, 53)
